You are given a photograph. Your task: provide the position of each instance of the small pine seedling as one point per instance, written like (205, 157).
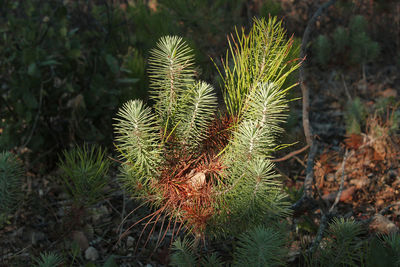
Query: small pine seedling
(48, 260)
(343, 246)
(11, 173)
(84, 173)
(355, 116)
(322, 50)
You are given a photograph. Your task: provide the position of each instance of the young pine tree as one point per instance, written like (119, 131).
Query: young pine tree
(207, 170)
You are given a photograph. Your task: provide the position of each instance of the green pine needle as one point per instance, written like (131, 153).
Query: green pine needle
(137, 138)
(84, 172)
(171, 72)
(196, 113)
(262, 56)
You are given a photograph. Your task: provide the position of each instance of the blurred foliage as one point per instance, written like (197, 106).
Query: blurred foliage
(355, 116)
(322, 49)
(204, 24)
(271, 7)
(61, 75)
(351, 45)
(385, 110)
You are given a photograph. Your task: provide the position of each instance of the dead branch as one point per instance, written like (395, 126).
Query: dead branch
(290, 155)
(304, 89)
(307, 196)
(383, 211)
(320, 234)
(339, 194)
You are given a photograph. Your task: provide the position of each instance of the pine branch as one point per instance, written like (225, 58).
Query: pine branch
(197, 111)
(259, 57)
(269, 105)
(171, 72)
(137, 137)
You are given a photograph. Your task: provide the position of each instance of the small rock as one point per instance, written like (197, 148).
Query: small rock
(91, 254)
(80, 238)
(130, 241)
(383, 225)
(99, 212)
(347, 194)
(37, 237)
(198, 180)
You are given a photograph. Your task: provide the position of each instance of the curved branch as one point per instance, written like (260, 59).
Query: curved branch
(304, 89)
(307, 196)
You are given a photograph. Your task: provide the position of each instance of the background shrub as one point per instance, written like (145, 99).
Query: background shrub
(10, 184)
(61, 75)
(351, 45)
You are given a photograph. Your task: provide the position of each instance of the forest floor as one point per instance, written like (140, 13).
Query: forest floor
(364, 167)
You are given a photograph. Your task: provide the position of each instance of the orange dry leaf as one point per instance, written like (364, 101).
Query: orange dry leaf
(354, 141)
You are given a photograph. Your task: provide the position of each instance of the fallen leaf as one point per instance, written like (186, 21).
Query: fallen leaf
(390, 92)
(91, 254)
(347, 194)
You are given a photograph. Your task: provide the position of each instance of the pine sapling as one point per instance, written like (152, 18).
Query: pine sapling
(205, 171)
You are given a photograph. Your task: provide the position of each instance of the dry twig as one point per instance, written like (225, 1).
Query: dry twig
(290, 155)
(339, 194)
(307, 196)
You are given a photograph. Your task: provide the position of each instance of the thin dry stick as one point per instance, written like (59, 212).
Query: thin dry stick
(339, 194)
(346, 89)
(307, 195)
(304, 89)
(383, 211)
(306, 108)
(122, 213)
(310, 171)
(290, 155)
